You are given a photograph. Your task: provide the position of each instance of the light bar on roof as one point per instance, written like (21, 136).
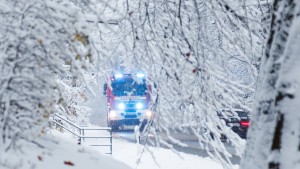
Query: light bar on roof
(118, 75)
(140, 75)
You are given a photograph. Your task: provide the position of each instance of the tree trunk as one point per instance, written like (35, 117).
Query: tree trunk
(274, 137)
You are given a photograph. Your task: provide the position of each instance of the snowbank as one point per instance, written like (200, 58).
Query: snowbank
(57, 153)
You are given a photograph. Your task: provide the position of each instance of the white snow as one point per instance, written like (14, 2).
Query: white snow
(61, 149)
(128, 153)
(59, 152)
(165, 158)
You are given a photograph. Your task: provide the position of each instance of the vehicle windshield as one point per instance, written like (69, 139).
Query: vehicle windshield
(127, 86)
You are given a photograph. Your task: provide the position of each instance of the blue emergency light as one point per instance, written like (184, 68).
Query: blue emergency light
(118, 75)
(140, 75)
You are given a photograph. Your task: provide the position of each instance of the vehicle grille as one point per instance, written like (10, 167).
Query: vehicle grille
(130, 116)
(130, 110)
(130, 105)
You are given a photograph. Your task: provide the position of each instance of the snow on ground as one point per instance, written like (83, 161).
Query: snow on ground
(166, 158)
(59, 152)
(128, 153)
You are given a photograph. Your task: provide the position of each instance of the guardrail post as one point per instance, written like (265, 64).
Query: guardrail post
(83, 134)
(80, 136)
(110, 141)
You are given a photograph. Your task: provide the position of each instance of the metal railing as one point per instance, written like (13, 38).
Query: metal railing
(60, 121)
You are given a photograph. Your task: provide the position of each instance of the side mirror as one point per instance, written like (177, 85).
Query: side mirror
(104, 89)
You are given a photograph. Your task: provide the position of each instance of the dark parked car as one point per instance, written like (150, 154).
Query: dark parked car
(238, 120)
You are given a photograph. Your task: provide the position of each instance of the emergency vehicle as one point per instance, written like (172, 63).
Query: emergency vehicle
(128, 100)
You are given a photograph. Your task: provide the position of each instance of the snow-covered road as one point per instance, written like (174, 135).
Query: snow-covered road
(193, 145)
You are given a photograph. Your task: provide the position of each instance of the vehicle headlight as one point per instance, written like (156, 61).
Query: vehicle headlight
(139, 106)
(121, 106)
(112, 114)
(149, 114)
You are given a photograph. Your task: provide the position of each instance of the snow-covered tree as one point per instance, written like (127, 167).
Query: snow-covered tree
(74, 95)
(274, 136)
(203, 57)
(37, 37)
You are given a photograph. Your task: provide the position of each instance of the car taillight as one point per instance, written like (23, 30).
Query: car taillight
(245, 123)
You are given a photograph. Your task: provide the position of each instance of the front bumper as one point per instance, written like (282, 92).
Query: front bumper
(119, 115)
(128, 122)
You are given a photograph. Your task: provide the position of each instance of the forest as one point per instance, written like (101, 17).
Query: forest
(200, 56)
